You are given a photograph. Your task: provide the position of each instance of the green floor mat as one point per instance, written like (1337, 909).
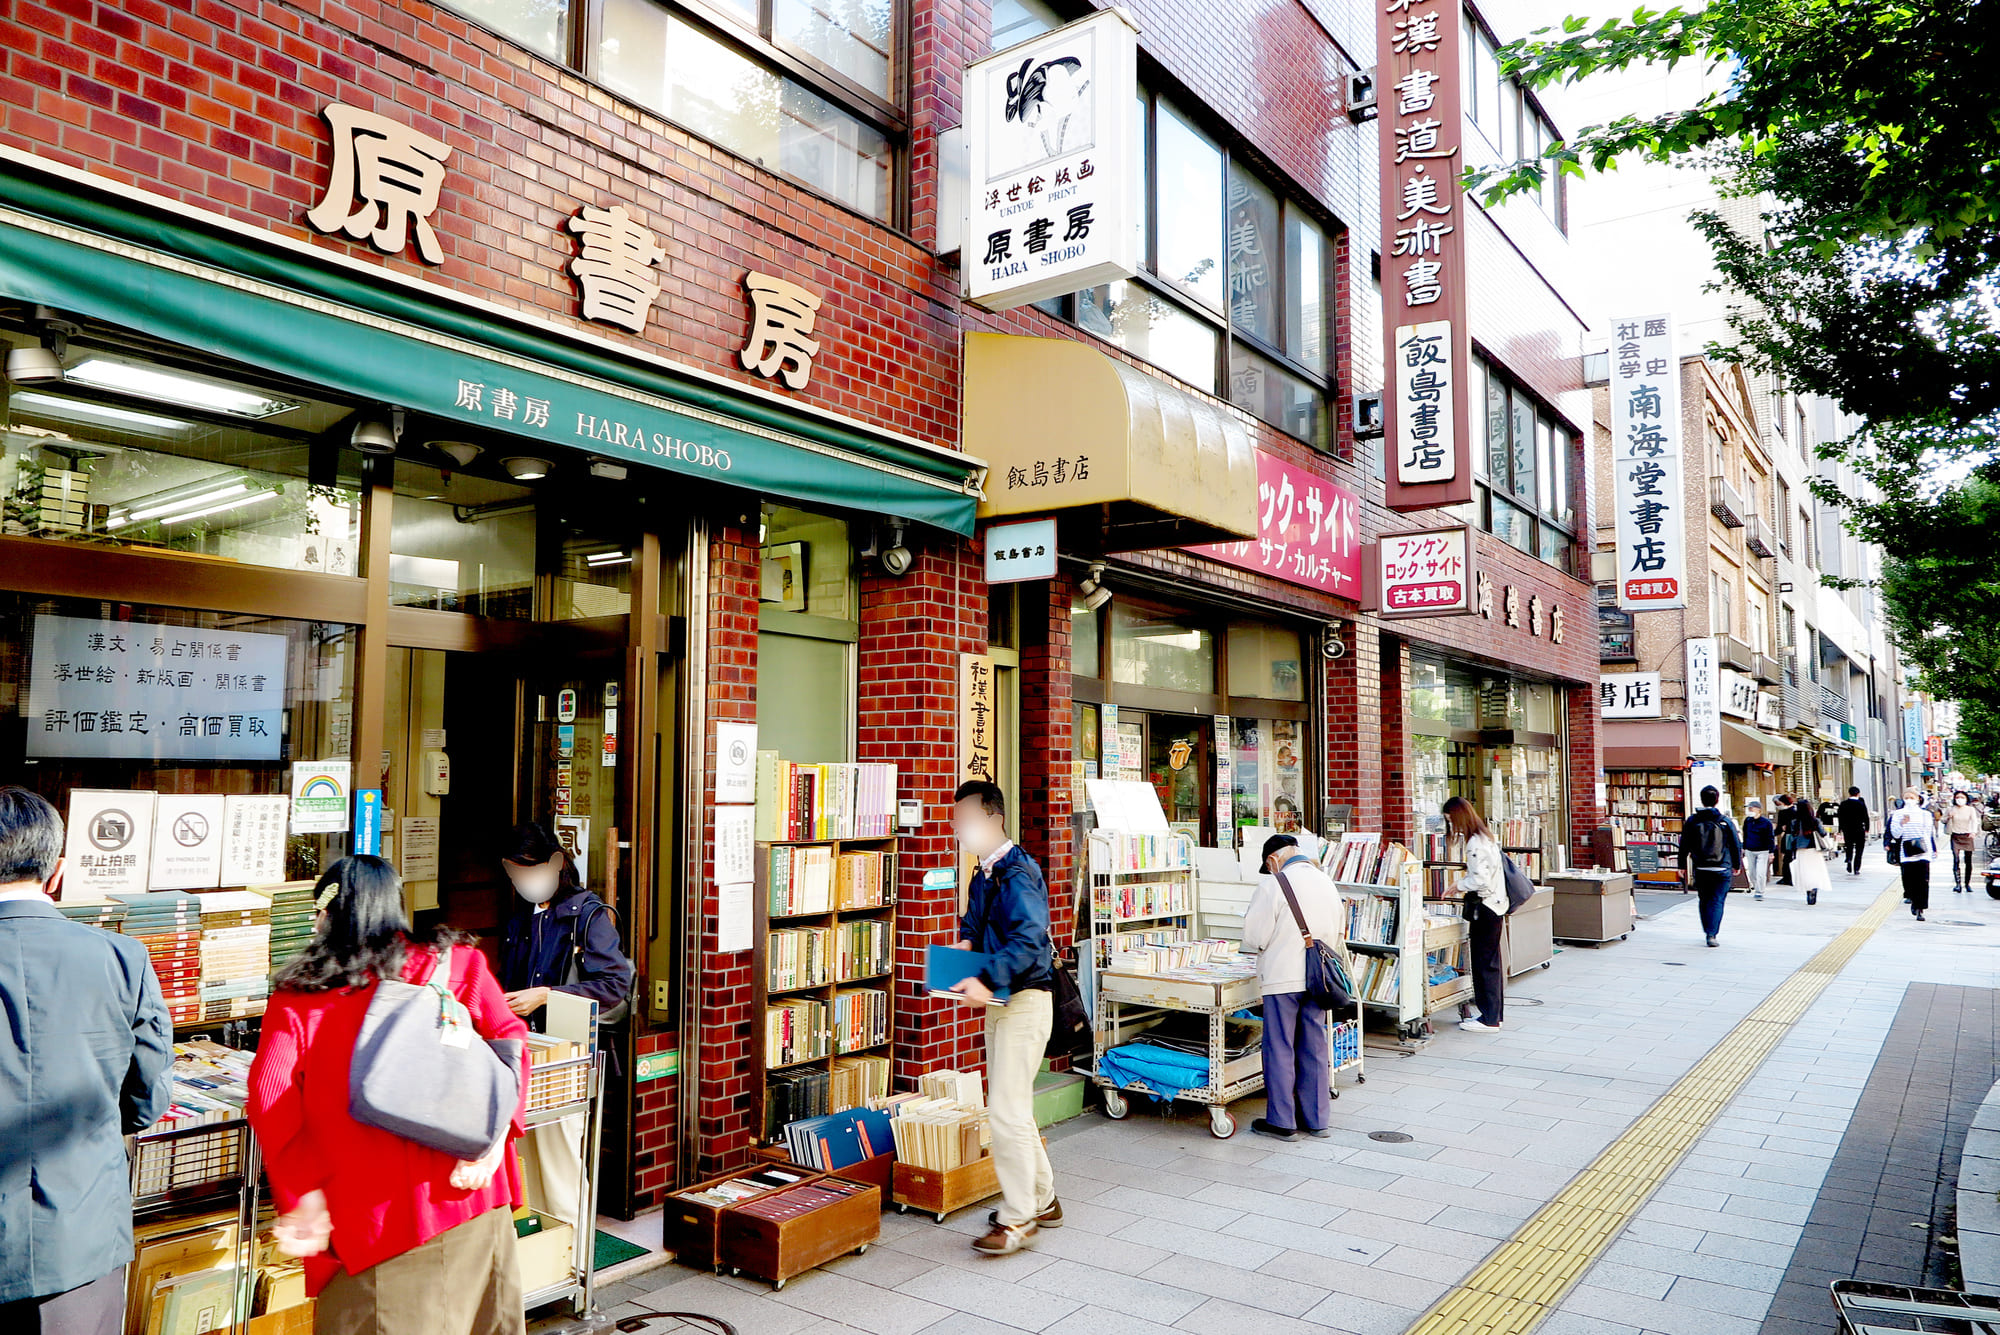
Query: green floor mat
(610, 1251)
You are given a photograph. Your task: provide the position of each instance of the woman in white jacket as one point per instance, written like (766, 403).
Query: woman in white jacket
(1298, 1077)
(1484, 886)
(1916, 834)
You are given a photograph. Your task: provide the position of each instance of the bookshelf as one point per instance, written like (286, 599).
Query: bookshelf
(824, 955)
(1388, 929)
(1646, 807)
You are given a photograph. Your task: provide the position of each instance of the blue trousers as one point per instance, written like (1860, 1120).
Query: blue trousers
(1712, 889)
(1297, 1078)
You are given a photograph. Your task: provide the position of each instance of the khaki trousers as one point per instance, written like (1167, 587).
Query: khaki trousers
(464, 1281)
(1016, 1035)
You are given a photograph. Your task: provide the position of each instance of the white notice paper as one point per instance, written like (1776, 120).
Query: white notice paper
(109, 847)
(187, 842)
(735, 845)
(420, 848)
(253, 839)
(736, 762)
(732, 922)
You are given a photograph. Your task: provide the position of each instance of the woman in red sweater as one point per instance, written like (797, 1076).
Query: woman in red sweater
(399, 1239)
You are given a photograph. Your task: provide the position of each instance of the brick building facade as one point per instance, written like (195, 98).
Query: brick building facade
(207, 116)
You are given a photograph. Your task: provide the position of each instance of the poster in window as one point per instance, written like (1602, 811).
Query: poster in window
(136, 691)
(108, 844)
(188, 839)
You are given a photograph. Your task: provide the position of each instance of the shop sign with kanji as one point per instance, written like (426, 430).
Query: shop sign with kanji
(1425, 573)
(1646, 490)
(1307, 531)
(1423, 254)
(1051, 127)
(1628, 695)
(1026, 550)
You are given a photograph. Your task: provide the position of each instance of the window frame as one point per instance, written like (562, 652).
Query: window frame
(1531, 122)
(1561, 483)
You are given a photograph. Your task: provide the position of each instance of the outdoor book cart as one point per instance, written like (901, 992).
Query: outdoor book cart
(556, 1091)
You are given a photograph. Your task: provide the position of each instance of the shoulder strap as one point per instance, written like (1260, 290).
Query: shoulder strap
(1297, 917)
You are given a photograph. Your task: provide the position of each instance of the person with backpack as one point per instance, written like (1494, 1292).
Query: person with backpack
(1914, 836)
(558, 936)
(1712, 852)
(1484, 887)
(398, 1237)
(1297, 900)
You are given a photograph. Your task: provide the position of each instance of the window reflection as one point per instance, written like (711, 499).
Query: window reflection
(1151, 329)
(1190, 232)
(853, 37)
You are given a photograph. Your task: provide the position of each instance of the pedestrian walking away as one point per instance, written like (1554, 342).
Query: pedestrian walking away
(88, 1060)
(1484, 886)
(1914, 834)
(558, 936)
(1007, 918)
(1854, 823)
(1781, 834)
(1298, 1075)
(1758, 836)
(1712, 854)
(398, 1238)
(1808, 856)
(1961, 822)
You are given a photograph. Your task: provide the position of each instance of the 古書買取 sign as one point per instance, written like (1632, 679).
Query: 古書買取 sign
(319, 796)
(1425, 573)
(1646, 491)
(1052, 135)
(135, 691)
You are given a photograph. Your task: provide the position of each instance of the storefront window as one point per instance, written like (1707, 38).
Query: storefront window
(1178, 764)
(1151, 329)
(540, 25)
(1441, 695)
(1264, 661)
(1084, 643)
(807, 632)
(1160, 650)
(1267, 773)
(80, 462)
(1253, 250)
(1267, 391)
(1089, 744)
(461, 543)
(194, 706)
(1018, 20)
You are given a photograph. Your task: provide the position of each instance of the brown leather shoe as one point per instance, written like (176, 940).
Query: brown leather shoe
(1049, 1218)
(1004, 1241)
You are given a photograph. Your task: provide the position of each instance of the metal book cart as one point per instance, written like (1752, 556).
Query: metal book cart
(1405, 993)
(194, 1170)
(558, 1090)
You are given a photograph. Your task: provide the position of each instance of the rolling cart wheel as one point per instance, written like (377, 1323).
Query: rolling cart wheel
(1547, 963)
(1336, 1093)
(902, 1208)
(777, 1286)
(1115, 1106)
(1220, 1124)
(862, 1250)
(1361, 1079)
(939, 1216)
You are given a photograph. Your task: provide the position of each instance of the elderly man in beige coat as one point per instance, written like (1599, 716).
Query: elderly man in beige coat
(1298, 1078)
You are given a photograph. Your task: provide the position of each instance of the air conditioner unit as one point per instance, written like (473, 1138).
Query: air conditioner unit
(1368, 416)
(1361, 96)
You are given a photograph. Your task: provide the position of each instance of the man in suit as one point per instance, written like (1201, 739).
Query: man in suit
(1853, 818)
(85, 1059)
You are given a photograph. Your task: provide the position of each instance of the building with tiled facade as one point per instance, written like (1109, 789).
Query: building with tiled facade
(565, 501)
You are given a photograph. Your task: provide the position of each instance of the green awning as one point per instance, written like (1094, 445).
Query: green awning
(64, 247)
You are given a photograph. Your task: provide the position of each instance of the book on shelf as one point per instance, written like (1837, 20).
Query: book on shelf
(799, 957)
(1377, 977)
(1143, 899)
(1164, 956)
(1442, 847)
(790, 1095)
(1365, 859)
(805, 879)
(1371, 920)
(824, 801)
(862, 949)
(858, 882)
(942, 1123)
(839, 1139)
(857, 1080)
(1127, 850)
(795, 1031)
(860, 1018)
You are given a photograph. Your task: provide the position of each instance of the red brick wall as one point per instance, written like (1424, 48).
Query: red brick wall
(1048, 749)
(655, 1127)
(1355, 706)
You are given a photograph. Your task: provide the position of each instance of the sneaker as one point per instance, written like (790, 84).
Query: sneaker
(1812, 896)
(1759, 896)
(1920, 917)
(1049, 1218)
(1478, 1027)
(1712, 941)
(1264, 1128)
(1005, 1241)
(1318, 1132)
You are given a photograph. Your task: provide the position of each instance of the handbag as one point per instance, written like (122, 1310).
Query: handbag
(1519, 888)
(1327, 984)
(1069, 1032)
(573, 969)
(422, 1072)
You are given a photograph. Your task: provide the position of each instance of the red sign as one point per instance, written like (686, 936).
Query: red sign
(1637, 590)
(1426, 418)
(1307, 531)
(1425, 573)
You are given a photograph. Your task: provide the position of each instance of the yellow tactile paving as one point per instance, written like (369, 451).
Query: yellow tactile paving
(1524, 1280)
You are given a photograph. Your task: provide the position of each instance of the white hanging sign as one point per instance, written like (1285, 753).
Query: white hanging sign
(1628, 695)
(109, 844)
(1646, 488)
(1704, 698)
(187, 842)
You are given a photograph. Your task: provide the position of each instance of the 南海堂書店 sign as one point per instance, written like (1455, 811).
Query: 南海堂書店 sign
(1427, 418)
(1051, 129)
(1646, 494)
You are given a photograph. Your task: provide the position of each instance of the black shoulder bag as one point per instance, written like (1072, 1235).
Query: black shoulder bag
(1327, 984)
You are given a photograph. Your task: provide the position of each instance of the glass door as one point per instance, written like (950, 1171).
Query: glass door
(1180, 764)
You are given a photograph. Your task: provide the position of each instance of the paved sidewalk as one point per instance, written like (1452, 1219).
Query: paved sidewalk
(1171, 1230)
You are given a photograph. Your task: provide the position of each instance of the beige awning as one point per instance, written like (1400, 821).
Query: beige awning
(1645, 743)
(1064, 427)
(1745, 745)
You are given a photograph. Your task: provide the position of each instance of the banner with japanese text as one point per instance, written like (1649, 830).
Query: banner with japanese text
(1427, 416)
(1307, 531)
(1646, 479)
(1704, 698)
(1425, 573)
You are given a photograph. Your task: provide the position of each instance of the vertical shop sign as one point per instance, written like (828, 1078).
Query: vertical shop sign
(1051, 128)
(975, 716)
(1308, 531)
(1419, 44)
(187, 842)
(1646, 464)
(1704, 698)
(368, 822)
(109, 844)
(1427, 572)
(1225, 782)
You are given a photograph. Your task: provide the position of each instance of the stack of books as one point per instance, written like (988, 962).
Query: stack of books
(210, 1085)
(735, 1191)
(235, 954)
(801, 1200)
(857, 881)
(840, 1139)
(550, 1086)
(965, 1088)
(800, 881)
(795, 1031)
(109, 914)
(168, 924)
(862, 950)
(935, 1132)
(790, 1095)
(858, 1081)
(1365, 859)
(860, 1019)
(799, 957)
(1157, 957)
(833, 801)
(292, 915)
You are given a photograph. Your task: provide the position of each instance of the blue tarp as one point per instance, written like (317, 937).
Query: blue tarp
(1163, 1072)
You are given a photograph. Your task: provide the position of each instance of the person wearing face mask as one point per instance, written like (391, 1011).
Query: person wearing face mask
(1007, 918)
(558, 937)
(1961, 822)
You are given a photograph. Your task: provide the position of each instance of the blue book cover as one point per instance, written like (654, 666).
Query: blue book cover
(945, 967)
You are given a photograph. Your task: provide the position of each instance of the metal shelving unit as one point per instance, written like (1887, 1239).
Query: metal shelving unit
(580, 1288)
(202, 1197)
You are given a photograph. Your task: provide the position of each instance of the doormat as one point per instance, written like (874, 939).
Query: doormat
(610, 1251)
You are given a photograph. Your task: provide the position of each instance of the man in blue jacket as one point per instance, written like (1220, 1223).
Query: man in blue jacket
(85, 1061)
(1007, 918)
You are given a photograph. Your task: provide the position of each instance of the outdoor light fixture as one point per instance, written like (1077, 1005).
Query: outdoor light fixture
(42, 364)
(598, 560)
(99, 414)
(460, 452)
(896, 558)
(1092, 589)
(209, 496)
(609, 471)
(186, 391)
(372, 435)
(526, 468)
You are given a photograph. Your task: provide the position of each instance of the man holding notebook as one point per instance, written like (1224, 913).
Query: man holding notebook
(1007, 920)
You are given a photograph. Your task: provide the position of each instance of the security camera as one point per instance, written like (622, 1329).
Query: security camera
(1331, 646)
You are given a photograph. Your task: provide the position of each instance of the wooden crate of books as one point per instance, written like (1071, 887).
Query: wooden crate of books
(879, 1171)
(787, 1233)
(693, 1218)
(939, 1191)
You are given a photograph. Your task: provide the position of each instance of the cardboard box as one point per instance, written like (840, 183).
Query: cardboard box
(546, 1258)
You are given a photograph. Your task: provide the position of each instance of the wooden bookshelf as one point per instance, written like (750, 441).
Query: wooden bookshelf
(824, 988)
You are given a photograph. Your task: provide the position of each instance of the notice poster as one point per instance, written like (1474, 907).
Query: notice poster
(733, 920)
(109, 845)
(319, 796)
(420, 848)
(188, 839)
(253, 839)
(735, 762)
(735, 844)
